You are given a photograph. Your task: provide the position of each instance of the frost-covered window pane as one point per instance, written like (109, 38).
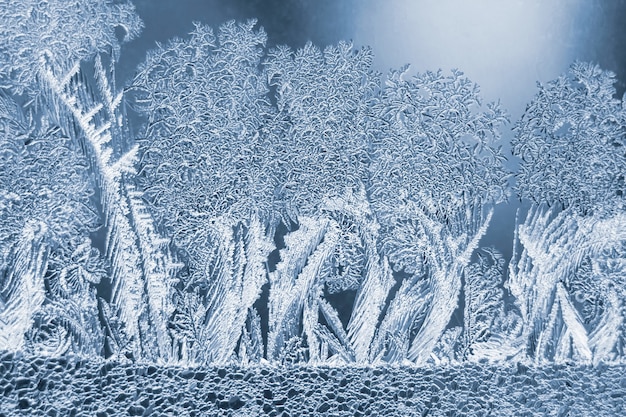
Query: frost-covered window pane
(246, 228)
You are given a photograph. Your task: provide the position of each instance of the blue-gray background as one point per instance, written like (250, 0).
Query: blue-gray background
(506, 46)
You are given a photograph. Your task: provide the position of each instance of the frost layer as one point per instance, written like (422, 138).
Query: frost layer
(65, 386)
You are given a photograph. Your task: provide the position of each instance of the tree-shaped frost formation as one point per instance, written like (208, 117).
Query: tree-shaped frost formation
(208, 170)
(571, 141)
(435, 173)
(323, 100)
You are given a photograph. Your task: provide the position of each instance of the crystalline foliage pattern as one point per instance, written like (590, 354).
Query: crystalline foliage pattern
(282, 212)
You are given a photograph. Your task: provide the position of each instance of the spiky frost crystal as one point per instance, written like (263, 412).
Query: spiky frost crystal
(294, 210)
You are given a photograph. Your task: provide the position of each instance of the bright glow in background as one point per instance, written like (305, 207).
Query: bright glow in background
(504, 46)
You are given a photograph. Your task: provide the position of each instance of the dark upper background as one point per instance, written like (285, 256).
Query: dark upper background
(504, 46)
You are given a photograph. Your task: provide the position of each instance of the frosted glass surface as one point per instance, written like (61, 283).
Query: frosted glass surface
(257, 216)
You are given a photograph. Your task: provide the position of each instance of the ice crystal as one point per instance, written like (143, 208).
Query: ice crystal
(274, 212)
(60, 32)
(571, 141)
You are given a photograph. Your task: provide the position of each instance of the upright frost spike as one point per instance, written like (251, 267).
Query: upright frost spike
(257, 248)
(303, 257)
(22, 292)
(554, 249)
(157, 267)
(376, 280)
(129, 228)
(208, 171)
(234, 280)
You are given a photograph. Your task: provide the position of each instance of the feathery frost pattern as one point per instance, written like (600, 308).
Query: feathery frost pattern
(23, 289)
(573, 235)
(98, 123)
(270, 206)
(556, 250)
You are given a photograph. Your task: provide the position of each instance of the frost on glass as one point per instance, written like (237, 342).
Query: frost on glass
(49, 266)
(61, 32)
(435, 174)
(567, 271)
(268, 229)
(208, 170)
